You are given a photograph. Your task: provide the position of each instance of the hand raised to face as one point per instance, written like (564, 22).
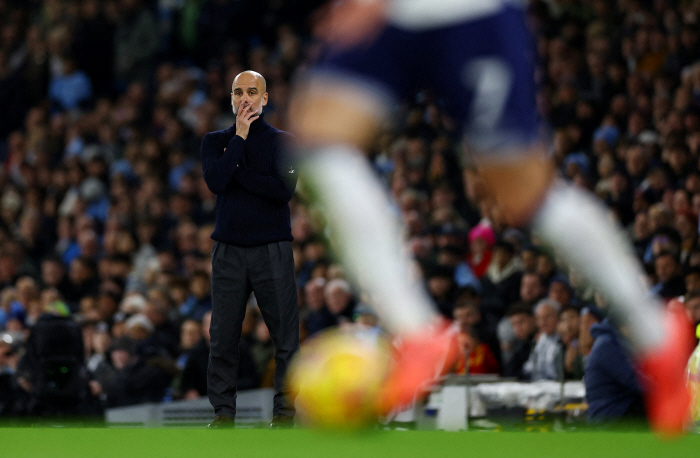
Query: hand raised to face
(244, 118)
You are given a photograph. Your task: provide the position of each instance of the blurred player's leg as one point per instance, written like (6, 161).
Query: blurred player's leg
(580, 229)
(500, 128)
(367, 235)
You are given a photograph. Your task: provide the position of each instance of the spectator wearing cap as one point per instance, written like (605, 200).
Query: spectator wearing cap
(606, 136)
(560, 291)
(575, 164)
(546, 358)
(448, 235)
(613, 390)
(481, 240)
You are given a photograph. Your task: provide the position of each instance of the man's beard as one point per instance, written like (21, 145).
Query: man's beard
(235, 113)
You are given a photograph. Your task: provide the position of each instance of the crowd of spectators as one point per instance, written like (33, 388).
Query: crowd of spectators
(105, 219)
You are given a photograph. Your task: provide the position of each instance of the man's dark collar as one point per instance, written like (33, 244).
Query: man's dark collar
(258, 123)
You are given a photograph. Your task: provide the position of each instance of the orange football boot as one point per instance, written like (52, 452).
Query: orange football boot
(667, 396)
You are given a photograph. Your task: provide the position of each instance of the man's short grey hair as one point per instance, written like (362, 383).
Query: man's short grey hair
(548, 302)
(257, 75)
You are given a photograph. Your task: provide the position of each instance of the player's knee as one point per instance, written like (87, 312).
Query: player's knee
(519, 188)
(327, 118)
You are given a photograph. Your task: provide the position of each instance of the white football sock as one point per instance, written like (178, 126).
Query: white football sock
(367, 236)
(577, 226)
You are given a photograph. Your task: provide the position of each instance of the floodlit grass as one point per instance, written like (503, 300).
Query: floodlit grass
(252, 443)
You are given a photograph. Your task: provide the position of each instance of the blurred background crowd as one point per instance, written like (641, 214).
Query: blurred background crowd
(105, 219)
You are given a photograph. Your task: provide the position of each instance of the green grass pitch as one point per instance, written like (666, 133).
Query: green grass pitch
(253, 443)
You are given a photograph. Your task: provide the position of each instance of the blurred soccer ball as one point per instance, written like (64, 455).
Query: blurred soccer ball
(337, 378)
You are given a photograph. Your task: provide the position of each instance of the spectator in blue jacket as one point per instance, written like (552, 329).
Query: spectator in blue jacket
(72, 88)
(613, 388)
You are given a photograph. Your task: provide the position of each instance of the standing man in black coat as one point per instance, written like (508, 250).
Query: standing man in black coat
(245, 166)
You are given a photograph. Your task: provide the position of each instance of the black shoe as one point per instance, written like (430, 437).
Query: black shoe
(222, 421)
(282, 422)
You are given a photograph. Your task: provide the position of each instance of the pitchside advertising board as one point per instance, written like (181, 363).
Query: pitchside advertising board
(253, 407)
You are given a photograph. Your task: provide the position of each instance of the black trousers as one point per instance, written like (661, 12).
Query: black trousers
(267, 271)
